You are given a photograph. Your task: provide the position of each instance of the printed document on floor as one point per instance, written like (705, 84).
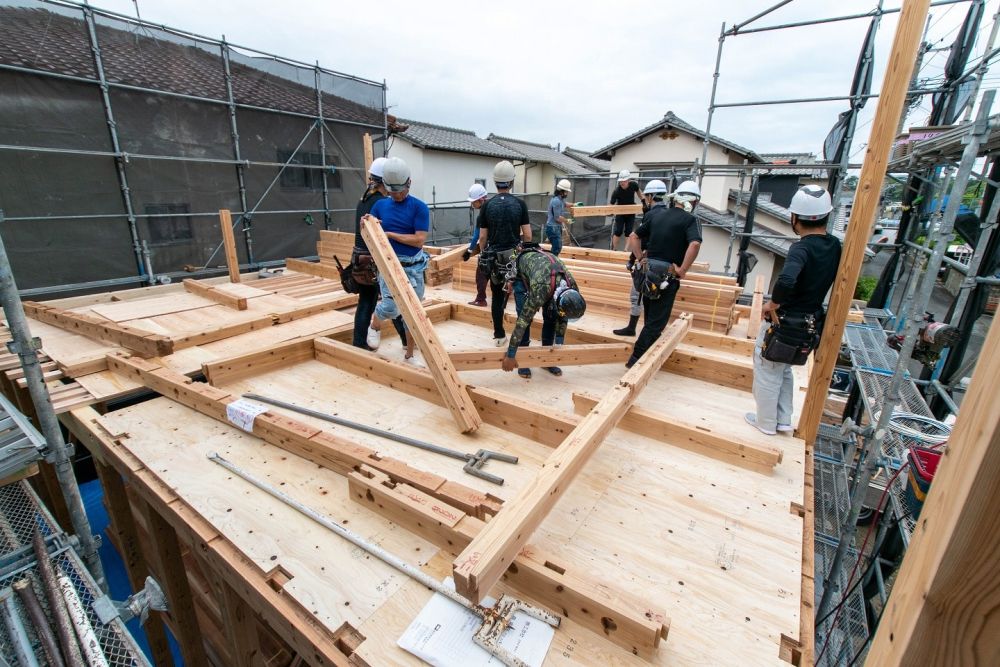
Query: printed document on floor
(441, 635)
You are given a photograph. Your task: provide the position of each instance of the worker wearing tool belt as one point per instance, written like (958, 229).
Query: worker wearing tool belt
(794, 315)
(666, 245)
(477, 197)
(505, 221)
(624, 195)
(540, 281)
(406, 221)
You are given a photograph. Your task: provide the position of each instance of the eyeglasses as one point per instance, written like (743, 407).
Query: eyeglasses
(398, 188)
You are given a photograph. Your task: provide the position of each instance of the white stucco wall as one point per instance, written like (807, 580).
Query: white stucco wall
(541, 177)
(414, 159)
(715, 244)
(451, 174)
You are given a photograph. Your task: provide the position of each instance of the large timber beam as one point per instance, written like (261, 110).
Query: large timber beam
(601, 211)
(527, 357)
(623, 619)
(483, 562)
(320, 270)
(229, 245)
(945, 605)
(452, 388)
(143, 342)
(212, 293)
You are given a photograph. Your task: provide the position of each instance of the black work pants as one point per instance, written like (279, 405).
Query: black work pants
(498, 303)
(656, 314)
(367, 298)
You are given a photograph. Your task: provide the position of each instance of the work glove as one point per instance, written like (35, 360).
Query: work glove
(466, 255)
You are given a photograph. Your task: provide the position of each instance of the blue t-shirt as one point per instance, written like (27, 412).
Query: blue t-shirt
(406, 217)
(557, 209)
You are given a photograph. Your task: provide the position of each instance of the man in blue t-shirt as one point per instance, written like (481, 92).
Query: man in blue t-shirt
(405, 221)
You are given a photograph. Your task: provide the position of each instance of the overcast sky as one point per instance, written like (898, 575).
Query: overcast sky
(584, 73)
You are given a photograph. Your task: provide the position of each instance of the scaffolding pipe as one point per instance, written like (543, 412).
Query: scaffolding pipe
(736, 219)
(834, 19)
(711, 102)
(234, 135)
(109, 116)
(92, 651)
(739, 26)
(43, 629)
(57, 604)
(15, 631)
(26, 347)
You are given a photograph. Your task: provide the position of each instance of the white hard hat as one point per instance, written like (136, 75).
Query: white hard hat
(624, 175)
(395, 174)
(477, 191)
(811, 202)
(655, 187)
(378, 165)
(503, 172)
(564, 185)
(688, 188)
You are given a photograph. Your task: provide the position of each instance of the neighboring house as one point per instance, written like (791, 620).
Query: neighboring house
(783, 182)
(445, 161)
(584, 157)
(542, 165)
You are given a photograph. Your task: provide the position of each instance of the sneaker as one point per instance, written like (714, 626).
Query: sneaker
(751, 419)
(555, 370)
(524, 372)
(500, 342)
(785, 428)
(374, 338)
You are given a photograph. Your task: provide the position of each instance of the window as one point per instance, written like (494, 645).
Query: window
(308, 179)
(169, 224)
(481, 181)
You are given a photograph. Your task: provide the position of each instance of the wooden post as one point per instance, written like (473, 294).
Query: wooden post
(452, 388)
(890, 107)
(369, 153)
(480, 566)
(240, 624)
(944, 608)
(756, 306)
(229, 245)
(209, 292)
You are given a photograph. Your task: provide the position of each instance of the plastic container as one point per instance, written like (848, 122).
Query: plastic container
(923, 464)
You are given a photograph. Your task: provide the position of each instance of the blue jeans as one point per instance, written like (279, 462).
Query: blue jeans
(387, 308)
(554, 234)
(548, 319)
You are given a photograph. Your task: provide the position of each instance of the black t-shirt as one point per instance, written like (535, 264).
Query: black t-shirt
(502, 217)
(625, 197)
(364, 208)
(666, 233)
(809, 271)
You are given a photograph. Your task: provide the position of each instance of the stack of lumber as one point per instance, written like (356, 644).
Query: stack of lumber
(340, 245)
(605, 283)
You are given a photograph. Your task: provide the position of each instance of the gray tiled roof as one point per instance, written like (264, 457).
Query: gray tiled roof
(799, 158)
(439, 137)
(542, 153)
(766, 205)
(670, 119)
(584, 157)
(714, 218)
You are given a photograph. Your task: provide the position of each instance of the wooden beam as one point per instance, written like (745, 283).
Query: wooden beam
(945, 604)
(866, 204)
(240, 624)
(528, 357)
(320, 270)
(277, 356)
(213, 294)
(753, 324)
(599, 211)
(658, 426)
(482, 563)
(619, 617)
(229, 245)
(366, 141)
(452, 388)
(140, 341)
(448, 259)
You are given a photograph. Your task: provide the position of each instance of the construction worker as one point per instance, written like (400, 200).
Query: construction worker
(406, 221)
(556, 218)
(623, 195)
(666, 245)
(794, 315)
(540, 280)
(477, 197)
(505, 219)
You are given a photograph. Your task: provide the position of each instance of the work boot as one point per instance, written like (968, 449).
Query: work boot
(555, 370)
(631, 361)
(629, 329)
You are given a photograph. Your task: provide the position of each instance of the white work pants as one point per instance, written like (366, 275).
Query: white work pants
(773, 384)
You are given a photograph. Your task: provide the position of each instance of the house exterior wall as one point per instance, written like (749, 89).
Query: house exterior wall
(451, 174)
(414, 159)
(536, 177)
(715, 245)
(683, 149)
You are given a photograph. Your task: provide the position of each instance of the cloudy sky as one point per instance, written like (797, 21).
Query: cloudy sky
(582, 74)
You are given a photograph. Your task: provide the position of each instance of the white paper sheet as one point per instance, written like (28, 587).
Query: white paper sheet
(441, 635)
(242, 412)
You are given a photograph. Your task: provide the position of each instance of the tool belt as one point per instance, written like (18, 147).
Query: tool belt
(494, 264)
(360, 272)
(652, 277)
(791, 338)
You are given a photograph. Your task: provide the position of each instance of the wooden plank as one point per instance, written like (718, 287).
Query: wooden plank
(320, 270)
(144, 342)
(452, 388)
(209, 292)
(481, 564)
(866, 205)
(599, 211)
(366, 142)
(945, 604)
(624, 620)
(448, 259)
(527, 357)
(753, 324)
(655, 425)
(229, 245)
(281, 355)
